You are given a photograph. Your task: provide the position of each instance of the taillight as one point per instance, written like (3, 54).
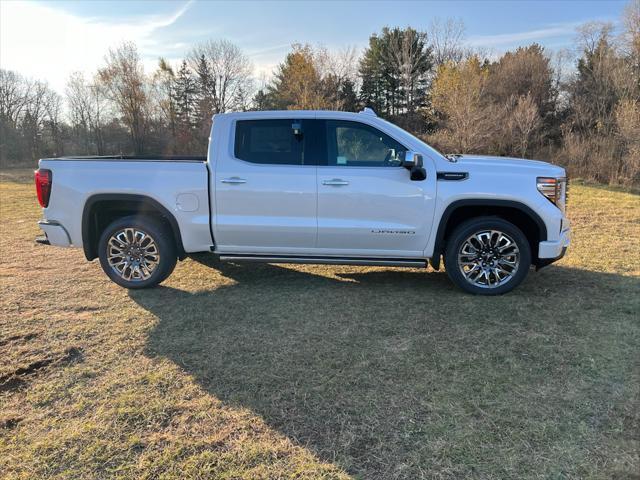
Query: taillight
(43, 178)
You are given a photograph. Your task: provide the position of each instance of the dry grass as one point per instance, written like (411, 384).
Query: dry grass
(318, 371)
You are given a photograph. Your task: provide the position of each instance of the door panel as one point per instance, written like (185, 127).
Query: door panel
(379, 211)
(265, 206)
(367, 203)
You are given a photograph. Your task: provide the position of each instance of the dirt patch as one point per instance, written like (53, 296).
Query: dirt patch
(18, 339)
(16, 379)
(10, 422)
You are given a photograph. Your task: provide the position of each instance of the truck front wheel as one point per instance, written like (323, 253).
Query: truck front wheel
(487, 256)
(137, 252)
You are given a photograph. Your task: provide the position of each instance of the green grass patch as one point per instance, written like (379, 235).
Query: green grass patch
(262, 371)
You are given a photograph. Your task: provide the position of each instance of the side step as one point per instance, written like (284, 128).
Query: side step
(371, 261)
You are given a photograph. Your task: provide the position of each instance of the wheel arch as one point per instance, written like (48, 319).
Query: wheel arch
(521, 215)
(103, 208)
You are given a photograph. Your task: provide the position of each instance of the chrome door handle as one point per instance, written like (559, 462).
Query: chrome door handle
(233, 180)
(335, 181)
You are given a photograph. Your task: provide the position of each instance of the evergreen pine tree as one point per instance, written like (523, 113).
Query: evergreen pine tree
(205, 98)
(347, 96)
(185, 99)
(395, 71)
(185, 95)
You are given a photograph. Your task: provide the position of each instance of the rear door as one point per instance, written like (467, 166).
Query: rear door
(367, 203)
(265, 190)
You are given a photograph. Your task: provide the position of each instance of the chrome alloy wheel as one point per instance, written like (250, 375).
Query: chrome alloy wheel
(132, 254)
(488, 258)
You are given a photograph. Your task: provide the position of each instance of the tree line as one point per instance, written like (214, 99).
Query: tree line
(580, 111)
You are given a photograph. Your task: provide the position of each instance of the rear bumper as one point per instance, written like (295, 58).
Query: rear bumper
(55, 234)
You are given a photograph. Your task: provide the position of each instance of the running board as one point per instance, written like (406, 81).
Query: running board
(382, 262)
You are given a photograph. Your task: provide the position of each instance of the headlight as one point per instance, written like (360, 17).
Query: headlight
(555, 189)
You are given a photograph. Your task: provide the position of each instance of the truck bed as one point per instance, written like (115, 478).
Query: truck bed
(179, 184)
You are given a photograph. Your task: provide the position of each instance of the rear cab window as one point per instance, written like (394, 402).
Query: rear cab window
(269, 141)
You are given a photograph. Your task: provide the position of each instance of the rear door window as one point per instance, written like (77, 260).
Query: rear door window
(272, 142)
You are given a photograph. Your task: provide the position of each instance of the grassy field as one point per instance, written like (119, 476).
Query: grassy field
(230, 371)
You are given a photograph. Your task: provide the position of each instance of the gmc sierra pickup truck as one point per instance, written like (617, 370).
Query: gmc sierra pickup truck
(309, 187)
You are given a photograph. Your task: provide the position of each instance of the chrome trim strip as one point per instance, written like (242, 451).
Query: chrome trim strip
(452, 176)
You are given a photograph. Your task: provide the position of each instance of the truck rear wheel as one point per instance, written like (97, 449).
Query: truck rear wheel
(137, 252)
(487, 256)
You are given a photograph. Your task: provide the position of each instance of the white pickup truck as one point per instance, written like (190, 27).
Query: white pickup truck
(309, 187)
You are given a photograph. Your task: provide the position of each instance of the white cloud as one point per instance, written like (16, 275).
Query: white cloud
(43, 42)
(563, 30)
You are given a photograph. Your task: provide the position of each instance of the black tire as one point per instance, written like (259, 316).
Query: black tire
(165, 246)
(465, 230)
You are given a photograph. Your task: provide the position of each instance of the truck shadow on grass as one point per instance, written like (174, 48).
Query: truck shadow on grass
(396, 374)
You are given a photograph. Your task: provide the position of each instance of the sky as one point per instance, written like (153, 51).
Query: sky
(48, 40)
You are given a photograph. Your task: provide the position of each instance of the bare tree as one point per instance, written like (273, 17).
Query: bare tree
(459, 97)
(631, 34)
(53, 123)
(523, 121)
(165, 100)
(446, 38)
(561, 67)
(14, 96)
(527, 70)
(628, 121)
(126, 85)
(100, 114)
(29, 118)
(35, 115)
(602, 78)
(591, 34)
(230, 69)
(341, 64)
(338, 71)
(86, 111)
(79, 106)
(630, 41)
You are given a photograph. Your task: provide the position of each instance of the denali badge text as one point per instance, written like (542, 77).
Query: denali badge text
(395, 232)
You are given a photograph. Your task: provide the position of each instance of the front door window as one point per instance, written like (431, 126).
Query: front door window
(353, 144)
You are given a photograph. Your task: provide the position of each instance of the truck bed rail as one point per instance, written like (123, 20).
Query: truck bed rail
(133, 158)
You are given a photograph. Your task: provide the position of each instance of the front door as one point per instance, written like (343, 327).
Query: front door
(367, 203)
(265, 192)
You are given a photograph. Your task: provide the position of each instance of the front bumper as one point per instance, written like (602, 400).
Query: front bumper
(543, 262)
(55, 234)
(552, 251)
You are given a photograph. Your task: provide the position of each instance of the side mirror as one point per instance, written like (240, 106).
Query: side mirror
(412, 159)
(418, 174)
(415, 164)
